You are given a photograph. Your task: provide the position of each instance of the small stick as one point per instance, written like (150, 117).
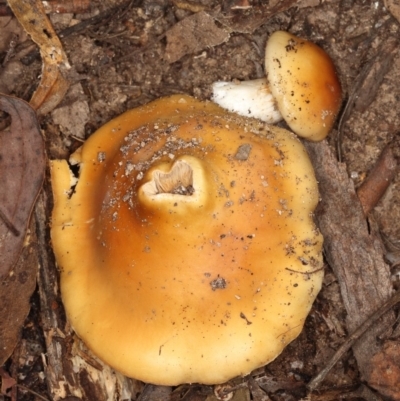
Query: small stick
(378, 179)
(318, 379)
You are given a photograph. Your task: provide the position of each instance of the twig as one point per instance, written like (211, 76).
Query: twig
(379, 179)
(317, 380)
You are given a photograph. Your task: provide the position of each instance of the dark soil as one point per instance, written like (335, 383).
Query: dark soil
(122, 58)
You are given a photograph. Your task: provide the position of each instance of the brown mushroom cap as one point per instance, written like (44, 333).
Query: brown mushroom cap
(187, 248)
(304, 83)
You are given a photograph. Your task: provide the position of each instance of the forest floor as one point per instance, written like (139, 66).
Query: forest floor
(126, 54)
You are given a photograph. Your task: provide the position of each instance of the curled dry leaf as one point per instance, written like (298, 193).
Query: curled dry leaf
(22, 164)
(53, 85)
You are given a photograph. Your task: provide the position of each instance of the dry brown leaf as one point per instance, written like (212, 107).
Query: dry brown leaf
(248, 20)
(192, 35)
(385, 375)
(22, 164)
(199, 31)
(257, 394)
(6, 382)
(53, 84)
(394, 8)
(15, 292)
(240, 394)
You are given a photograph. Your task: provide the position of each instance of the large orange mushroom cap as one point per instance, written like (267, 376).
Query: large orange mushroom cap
(186, 246)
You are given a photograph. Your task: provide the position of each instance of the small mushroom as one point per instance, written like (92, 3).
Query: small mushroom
(301, 87)
(181, 262)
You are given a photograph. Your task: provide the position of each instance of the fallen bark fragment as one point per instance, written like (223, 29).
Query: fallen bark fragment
(354, 251)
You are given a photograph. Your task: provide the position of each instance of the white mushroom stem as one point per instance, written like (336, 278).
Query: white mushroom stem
(247, 98)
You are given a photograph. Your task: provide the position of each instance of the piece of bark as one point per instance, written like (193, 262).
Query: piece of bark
(70, 369)
(354, 251)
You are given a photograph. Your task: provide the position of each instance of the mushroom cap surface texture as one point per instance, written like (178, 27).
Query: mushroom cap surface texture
(304, 83)
(186, 246)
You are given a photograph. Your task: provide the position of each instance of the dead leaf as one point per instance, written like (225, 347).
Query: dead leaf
(15, 292)
(248, 20)
(22, 164)
(155, 393)
(385, 370)
(192, 35)
(394, 8)
(8, 387)
(257, 394)
(271, 384)
(53, 84)
(6, 382)
(199, 31)
(240, 394)
(10, 29)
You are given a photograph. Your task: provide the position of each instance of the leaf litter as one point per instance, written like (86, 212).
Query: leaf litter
(22, 167)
